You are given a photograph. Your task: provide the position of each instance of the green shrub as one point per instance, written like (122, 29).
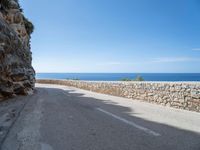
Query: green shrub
(126, 79)
(29, 26)
(75, 79)
(138, 78)
(72, 79)
(21, 10)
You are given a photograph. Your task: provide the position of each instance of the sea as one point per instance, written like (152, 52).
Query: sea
(120, 76)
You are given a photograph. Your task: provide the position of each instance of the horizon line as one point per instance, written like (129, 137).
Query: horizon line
(125, 72)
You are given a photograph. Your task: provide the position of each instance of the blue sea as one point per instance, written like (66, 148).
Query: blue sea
(119, 76)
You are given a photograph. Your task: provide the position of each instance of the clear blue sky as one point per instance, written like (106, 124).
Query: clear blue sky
(115, 35)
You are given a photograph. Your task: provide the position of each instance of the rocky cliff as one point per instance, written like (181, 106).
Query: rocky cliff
(17, 75)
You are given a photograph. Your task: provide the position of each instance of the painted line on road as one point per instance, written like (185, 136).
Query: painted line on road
(66, 94)
(146, 130)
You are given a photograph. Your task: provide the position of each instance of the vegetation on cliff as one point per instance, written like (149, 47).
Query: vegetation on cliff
(28, 25)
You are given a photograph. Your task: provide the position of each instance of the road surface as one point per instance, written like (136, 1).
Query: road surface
(65, 118)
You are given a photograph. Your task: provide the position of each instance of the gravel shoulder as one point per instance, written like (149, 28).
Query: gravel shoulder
(10, 110)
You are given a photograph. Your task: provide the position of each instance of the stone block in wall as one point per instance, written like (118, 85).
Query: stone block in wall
(195, 94)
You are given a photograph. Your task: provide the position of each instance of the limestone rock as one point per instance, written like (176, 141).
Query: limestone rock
(17, 75)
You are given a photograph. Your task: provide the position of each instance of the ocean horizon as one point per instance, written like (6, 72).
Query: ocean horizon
(120, 76)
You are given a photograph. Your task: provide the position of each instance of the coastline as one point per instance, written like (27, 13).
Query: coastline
(120, 76)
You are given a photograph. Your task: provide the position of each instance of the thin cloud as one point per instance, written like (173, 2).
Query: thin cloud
(175, 59)
(114, 63)
(196, 49)
(154, 60)
(109, 63)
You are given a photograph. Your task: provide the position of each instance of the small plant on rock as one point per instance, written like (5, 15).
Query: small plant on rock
(139, 78)
(29, 26)
(126, 79)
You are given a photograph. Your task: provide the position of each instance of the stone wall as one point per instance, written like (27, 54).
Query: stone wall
(183, 95)
(16, 73)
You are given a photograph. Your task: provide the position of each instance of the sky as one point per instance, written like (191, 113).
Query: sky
(115, 36)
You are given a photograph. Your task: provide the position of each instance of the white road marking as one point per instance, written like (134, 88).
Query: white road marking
(146, 130)
(45, 146)
(66, 94)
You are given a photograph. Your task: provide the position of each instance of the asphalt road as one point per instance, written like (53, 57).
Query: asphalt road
(63, 118)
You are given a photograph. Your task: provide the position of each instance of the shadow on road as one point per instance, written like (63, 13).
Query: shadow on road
(171, 137)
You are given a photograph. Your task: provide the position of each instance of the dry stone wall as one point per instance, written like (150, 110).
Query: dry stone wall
(183, 95)
(17, 75)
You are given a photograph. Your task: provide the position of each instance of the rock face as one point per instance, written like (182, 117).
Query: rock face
(17, 75)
